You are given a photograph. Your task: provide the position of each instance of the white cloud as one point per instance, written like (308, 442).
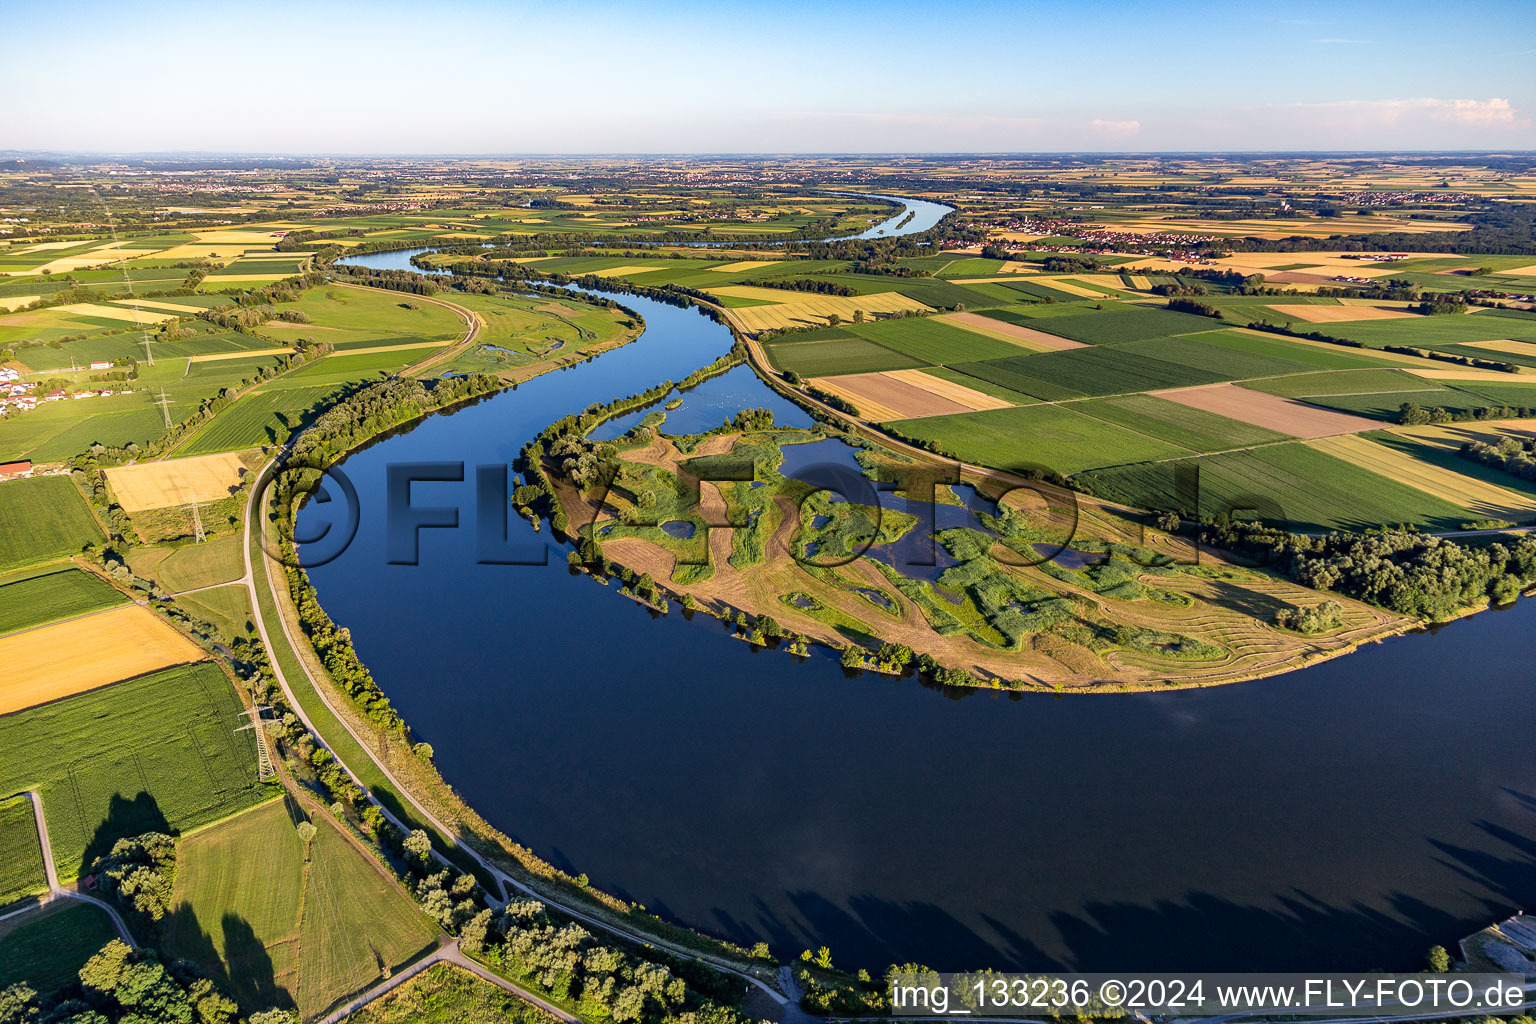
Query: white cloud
(1480, 113)
(1115, 129)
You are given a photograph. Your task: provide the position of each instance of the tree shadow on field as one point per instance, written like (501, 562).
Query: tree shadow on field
(243, 971)
(252, 981)
(125, 818)
(1251, 603)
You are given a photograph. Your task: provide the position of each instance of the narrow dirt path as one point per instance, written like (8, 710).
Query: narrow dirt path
(57, 891)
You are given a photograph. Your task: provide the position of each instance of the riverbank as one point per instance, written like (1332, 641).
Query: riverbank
(687, 745)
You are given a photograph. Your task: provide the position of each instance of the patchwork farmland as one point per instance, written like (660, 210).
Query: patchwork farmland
(156, 753)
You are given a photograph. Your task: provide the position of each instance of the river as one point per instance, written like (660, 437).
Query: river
(1345, 816)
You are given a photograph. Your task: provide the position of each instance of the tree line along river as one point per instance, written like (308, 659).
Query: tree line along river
(1344, 816)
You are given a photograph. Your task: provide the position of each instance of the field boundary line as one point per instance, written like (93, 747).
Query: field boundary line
(57, 891)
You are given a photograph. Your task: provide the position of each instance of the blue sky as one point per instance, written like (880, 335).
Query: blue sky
(765, 77)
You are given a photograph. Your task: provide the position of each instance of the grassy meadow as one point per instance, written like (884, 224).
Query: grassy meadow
(44, 519)
(46, 950)
(285, 926)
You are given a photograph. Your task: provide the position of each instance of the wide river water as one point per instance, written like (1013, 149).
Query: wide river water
(1345, 816)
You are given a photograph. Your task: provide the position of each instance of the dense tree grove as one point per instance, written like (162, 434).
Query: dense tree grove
(1320, 619)
(1193, 307)
(800, 284)
(1405, 571)
(1412, 414)
(1514, 455)
(138, 874)
(121, 985)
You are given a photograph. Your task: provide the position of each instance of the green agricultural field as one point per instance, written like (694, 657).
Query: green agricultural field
(1116, 325)
(53, 598)
(47, 950)
(1289, 485)
(934, 341)
(1230, 363)
(1195, 429)
(348, 367)
(827, 358)
(219, 343)
(156, 753)
(971, 266)
(1036, 436)
(1030, 288)
(1435, 331)
(538, 326)
(42, 519)
(21, 855)
(1514, 395)
(1006, 374)
(263, 417)
(977, 384)
(1276, 347)
(366, 311)
(1343, 382)
(1104, 370)
(59, 430)
(245, 908)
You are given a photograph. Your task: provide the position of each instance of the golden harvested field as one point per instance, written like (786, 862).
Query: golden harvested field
(626, 270)
(407, 347)
(175, 481)
(1270, 411)
(969, 397)
(1270, 228)
(1456, 375)
(1024, 337)
(801, 309)
(214, 357)
(731, 268)
(1529, 271)
(1066, 285)
(1340, 314)
(1452, 436)
(204, 250)
(1483, 498)
(57, 661)
(133, 316)
(1519, 348)
(880, 397)
(17, 301)
(261, 236)
(217, 279)
(173, 307)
